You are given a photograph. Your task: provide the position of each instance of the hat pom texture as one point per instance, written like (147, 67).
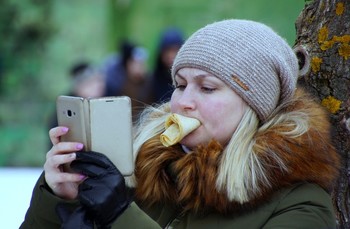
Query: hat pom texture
(250, 57)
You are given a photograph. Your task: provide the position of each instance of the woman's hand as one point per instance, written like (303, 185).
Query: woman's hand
(63, 183)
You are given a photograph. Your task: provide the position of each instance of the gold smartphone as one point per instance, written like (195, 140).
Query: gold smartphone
(71, 113)
(102, 124)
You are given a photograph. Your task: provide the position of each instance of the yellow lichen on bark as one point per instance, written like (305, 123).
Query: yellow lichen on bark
(331, 103)
(326, 45)
(339, 10)
(322, 35)
(316, 64)
(344, 51)
(344, 48)
(342, 39)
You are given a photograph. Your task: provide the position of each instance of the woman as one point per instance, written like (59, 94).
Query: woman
(261, 158)
(126, 74)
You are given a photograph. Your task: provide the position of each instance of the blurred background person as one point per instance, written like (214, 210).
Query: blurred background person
(88, 81)
(126, 75)
(170, 42)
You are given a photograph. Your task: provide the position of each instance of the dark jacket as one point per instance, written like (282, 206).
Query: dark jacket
(162, 82)
(178, 189)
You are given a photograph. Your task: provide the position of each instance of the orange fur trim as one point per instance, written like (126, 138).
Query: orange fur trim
(310, 157)
(153, 182)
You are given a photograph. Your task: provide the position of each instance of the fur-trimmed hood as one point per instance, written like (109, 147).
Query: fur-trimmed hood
(188, 180)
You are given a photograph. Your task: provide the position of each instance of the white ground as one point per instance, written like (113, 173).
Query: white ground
(16, 186)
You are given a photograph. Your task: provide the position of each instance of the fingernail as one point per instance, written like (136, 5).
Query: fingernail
(82, 177)
(65, 129)
(79, 146)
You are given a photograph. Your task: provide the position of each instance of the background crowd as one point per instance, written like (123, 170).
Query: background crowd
(46, 46)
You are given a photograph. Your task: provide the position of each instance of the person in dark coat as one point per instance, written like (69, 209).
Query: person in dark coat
(170, 42)
(126, 75)
(249, 149)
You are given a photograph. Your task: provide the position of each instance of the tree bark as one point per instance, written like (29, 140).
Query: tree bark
(323, 48)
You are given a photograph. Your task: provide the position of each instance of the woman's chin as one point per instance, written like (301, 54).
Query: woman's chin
(192, 142)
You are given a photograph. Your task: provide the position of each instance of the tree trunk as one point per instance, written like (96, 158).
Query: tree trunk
(323, 48)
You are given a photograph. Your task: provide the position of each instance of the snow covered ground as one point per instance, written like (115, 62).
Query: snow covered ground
(16, 186)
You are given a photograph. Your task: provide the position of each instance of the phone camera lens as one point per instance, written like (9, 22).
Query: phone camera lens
(69, 113)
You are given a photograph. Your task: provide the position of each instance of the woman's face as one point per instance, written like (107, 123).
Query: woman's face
(205, 97)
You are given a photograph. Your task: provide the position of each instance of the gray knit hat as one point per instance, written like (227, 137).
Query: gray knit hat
(250, 57)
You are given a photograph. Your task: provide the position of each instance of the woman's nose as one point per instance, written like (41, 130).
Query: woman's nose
(187, 100)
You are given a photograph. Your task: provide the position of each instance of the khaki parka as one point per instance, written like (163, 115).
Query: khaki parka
(301, 206)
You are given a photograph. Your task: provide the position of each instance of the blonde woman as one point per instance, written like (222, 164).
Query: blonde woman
(260, 158)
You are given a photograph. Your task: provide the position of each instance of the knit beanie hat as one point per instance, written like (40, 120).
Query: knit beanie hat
(250, 57)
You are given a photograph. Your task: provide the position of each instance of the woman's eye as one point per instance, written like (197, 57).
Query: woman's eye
(208, 89)
(180, 86)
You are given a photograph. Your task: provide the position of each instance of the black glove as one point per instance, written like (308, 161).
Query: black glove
(103, 194)
(73, 220)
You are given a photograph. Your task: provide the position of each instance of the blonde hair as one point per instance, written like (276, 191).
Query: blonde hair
(240, 170)
(150, 123)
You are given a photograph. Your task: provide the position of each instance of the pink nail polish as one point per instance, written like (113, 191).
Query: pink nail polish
(65, 129)
(82, 177)
(79, 146)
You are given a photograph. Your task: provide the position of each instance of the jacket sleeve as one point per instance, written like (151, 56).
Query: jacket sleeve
(42, 214)
(42, 209)
(305, 206)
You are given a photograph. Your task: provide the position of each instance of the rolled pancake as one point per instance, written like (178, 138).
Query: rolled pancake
(176, 128)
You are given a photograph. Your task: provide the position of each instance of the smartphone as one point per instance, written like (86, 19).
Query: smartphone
(103, 124)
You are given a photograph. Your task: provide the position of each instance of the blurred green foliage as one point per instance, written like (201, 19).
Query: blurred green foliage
(41, 39)
(25, 29)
